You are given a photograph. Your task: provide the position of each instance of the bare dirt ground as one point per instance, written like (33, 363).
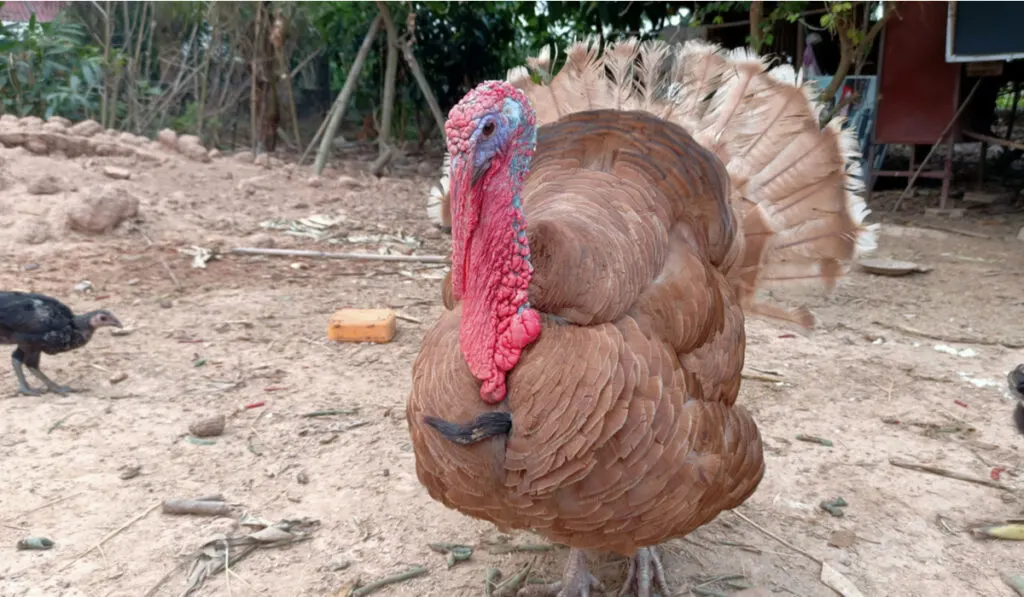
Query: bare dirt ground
(251, 330)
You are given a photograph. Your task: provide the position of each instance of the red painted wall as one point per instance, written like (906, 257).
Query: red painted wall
(918, 88)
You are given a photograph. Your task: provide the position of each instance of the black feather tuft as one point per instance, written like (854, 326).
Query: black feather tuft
(1018, 417)
(1016, 382)
(484, 426)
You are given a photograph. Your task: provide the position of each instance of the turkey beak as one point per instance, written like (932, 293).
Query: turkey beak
(115, 322)
(478, 171)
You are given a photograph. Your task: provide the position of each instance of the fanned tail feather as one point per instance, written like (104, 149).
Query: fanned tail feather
(795, 186)
(438, 202)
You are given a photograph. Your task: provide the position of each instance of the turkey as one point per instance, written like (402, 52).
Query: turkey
(1015, 379)
(612, 227)
(37, 323)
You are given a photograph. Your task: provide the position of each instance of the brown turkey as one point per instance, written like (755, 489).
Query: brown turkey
(37, 323)
(611, 228)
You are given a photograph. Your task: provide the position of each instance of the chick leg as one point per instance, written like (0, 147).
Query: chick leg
(52, 385)
(576, 582)
(645, 572)
(23, 387)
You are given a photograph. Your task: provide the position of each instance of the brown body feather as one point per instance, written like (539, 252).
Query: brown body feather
(625, 431)
(655, 214)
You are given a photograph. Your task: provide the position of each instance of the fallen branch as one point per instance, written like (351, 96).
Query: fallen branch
(197, 507)
(517, 548)
(934, 470)
(329, 255)
(219, 555)
(331, 412)
(1011, 344)
(961, 232)
(390, 580)
(111, 535)
(512, 584)
(776, 537)
(759, 377)
(52, 502)
(170, 273)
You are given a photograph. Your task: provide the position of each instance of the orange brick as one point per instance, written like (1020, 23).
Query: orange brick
(362, 325)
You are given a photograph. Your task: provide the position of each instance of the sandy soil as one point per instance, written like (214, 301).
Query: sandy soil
(248, 330)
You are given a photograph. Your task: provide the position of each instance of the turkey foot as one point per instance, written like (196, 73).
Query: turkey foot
(576, 582)
(23, 387)
(50, 384)
(645, 571)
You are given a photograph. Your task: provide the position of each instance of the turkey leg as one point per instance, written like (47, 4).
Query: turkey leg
(52, 385)
(23, 387)
(645, 572)
(576, 582)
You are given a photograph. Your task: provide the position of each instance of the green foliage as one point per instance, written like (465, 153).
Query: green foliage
(783, 11)
(48, 69)
(460, 44)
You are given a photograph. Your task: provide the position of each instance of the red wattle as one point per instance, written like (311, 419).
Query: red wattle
(491, 269)
(497, 322)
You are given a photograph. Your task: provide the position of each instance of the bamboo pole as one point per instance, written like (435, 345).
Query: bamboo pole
(390, 72)
(329, 255)
(338, 109)
(417, 74)
(256, 45)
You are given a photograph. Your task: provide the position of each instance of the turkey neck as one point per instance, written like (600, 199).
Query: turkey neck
(83, 328)
(497, 321)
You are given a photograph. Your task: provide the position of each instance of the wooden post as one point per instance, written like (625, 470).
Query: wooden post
(253, 116)
(338, 110)
(417, 73)
(390, 72)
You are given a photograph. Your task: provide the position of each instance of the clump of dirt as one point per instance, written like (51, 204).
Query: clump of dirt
(87, 175)
(100, 210)
(45, 184)
(89, 138)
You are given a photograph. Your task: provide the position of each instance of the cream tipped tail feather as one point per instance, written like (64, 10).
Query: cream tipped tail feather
(795, 186)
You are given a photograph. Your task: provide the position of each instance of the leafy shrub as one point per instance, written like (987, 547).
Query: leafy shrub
(49, 69)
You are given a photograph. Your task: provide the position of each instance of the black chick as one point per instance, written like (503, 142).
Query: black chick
(36, 324)
(1016, 380)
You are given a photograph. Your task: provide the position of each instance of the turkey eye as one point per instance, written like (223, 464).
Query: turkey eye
(488, 129)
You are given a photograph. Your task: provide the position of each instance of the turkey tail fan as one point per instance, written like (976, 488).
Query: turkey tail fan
(438, 201)
(795, 185)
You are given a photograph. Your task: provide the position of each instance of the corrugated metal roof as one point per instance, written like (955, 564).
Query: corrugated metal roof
(21, 12)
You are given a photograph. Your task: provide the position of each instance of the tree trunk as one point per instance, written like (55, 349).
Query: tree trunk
(756, 12)
(850, 53)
